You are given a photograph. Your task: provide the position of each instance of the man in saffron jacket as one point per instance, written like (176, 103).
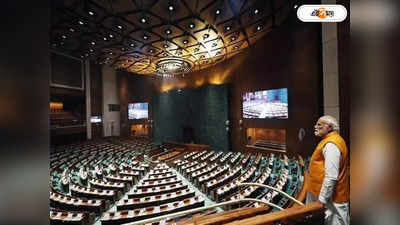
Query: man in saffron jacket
(329, 172)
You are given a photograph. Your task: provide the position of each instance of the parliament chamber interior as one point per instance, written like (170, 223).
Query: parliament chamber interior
(189, 111)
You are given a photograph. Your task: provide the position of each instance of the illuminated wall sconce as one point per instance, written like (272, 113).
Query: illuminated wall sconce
(227, 122)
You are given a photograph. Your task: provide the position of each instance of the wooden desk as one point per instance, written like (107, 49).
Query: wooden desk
(138, 193)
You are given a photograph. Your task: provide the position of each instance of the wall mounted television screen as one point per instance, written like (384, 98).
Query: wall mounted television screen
(95, 119)
(266, 104)
(137, 111)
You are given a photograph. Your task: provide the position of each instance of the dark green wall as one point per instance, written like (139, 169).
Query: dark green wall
(205, 109)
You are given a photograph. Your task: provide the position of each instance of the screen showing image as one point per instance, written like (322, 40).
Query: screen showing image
(138, 111)
(95, 119)
(267, 104)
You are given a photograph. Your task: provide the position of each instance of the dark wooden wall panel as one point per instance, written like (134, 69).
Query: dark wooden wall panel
(96, 98)
(134, 88)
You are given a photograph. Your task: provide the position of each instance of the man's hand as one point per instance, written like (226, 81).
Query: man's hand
(323, 204)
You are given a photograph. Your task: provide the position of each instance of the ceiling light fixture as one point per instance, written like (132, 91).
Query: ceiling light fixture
(171, 8)
(258, 28)
(205, 36)
(173, 66)
(192, 25)
(256, 11)
(145, 37)
(72, 29)
(63, 36)
(217, 12)
(91, 13)
(80, 22)
(119, 27)
(168, 31)
(104, 38)
(111, 36)
(166, 46)
(233, 38)
(228, 28)
(132, 44)
(92, 43)
(185, 42)
(143, 20)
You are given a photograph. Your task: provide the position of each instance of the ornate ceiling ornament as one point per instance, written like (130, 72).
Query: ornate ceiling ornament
(152, 37)
(173, 66)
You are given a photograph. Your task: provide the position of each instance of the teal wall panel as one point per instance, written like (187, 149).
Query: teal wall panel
(204, 109)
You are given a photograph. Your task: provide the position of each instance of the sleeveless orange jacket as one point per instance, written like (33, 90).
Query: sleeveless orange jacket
(341, 191)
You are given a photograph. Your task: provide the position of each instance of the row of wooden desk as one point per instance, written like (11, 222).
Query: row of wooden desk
(126, 216)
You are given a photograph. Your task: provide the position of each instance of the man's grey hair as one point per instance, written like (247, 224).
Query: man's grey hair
(330, 120)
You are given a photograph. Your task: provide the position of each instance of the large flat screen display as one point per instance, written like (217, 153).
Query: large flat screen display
(266, 104)
(137, 111)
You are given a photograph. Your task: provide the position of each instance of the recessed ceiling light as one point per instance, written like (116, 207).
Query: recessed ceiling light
(205, 36)
(80, 22)
(90, 50)
(166, 46)
(258, 27)
(171, 8)
(168, 31)
(122, 49)
(151, 50)
(295, 6)
(111, 53)
(91, 13)
(192, 25)
(81, 56)
(145, 37)
(63, 36)
(107, 58)
(185, 41)
(119, 27)
(104, 38)
(233, 38)
(111, 35)
(228, 28)
(256, 11)
(143, 20)
(217, 12)
(72, 29)
(132, 45)
(92, 43)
